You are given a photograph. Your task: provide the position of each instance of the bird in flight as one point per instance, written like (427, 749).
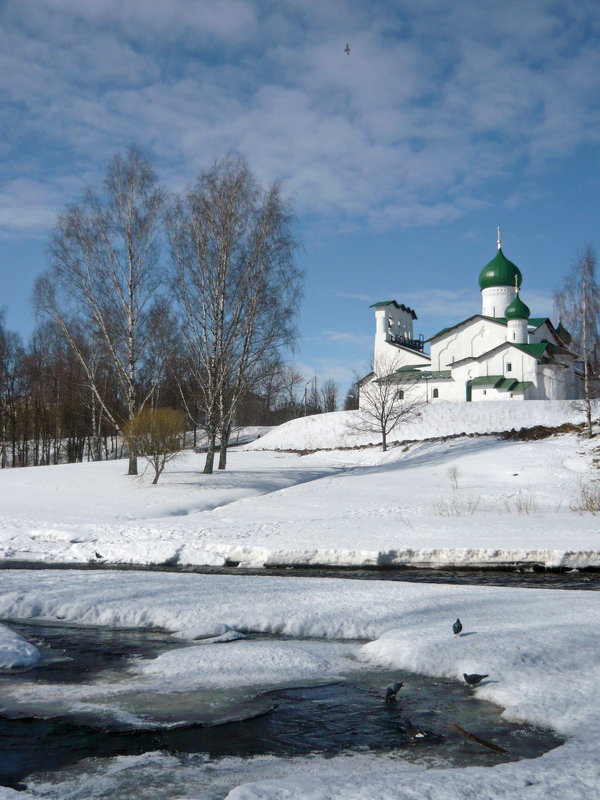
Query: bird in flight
(347, 49)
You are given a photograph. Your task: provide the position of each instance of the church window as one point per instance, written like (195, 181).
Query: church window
(508, 366)
(436, 393)
(400, 394)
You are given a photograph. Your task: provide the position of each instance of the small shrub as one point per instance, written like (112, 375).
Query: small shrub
(156, 434)
(525, 503)
(456, 506)
(453, 477)
(589, 498)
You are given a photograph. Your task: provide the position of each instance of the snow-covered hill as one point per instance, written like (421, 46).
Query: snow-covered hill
(462, 501)
(434, 420)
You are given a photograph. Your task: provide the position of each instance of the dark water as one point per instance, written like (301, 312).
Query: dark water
(521, 576)
(518, 577)
(348, 716)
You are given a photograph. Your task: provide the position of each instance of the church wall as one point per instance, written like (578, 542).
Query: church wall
(482, 394)
(388, 357)
(473, 339)
(495, 299)
(558, 383)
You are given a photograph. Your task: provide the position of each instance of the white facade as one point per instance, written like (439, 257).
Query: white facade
(394, 337)
(488, 356)
(495, 299)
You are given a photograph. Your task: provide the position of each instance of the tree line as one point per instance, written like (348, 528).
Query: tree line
(152, 301)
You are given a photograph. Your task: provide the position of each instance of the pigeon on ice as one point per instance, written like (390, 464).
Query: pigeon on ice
(391, 692)
(457, 627)
(474, 678)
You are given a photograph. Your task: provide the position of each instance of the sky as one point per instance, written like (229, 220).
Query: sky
(400, 158)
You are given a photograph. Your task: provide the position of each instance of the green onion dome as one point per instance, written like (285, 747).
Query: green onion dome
(517, 309)
(500, 272)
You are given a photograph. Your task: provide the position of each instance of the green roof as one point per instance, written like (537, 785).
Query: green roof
(501, 383)
(520, 386)
(487, 380)
(535, 350)
(500, 272)
(538, 321)
(517, 309)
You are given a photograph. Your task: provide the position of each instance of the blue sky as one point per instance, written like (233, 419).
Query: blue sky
(446, 120)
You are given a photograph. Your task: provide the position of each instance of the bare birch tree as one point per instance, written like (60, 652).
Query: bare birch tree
(236, 284)
(577, 303)
(384, 403)
(104, 276)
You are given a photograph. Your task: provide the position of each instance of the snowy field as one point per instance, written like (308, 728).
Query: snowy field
(540, 648)
(464, 501)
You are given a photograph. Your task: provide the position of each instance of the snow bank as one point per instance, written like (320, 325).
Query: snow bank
(245, 663)
(15, 651)
(435, 419)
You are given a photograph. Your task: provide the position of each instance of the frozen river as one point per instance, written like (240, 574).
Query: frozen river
(46, 742)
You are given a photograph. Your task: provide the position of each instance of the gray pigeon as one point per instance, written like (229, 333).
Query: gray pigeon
(474, 679)
(391, 692)
(457, 627)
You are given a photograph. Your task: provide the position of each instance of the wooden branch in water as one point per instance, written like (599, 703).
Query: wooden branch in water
(472, 736)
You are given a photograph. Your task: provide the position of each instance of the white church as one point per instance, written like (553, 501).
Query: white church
(502, 353)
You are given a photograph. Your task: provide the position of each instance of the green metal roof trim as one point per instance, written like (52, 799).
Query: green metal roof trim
(537, 322)
(517, 309)
(501, 383)
(383, 303)
(410, 367)
(500, 272)
(535, 350)
(521, 386)
(487, 380)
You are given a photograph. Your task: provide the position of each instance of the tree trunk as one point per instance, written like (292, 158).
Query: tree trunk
(225, 433)
(133, 470)
(210, 456)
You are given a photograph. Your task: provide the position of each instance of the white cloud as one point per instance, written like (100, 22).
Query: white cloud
(444, 304)
(348, 337)
(436, 102)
